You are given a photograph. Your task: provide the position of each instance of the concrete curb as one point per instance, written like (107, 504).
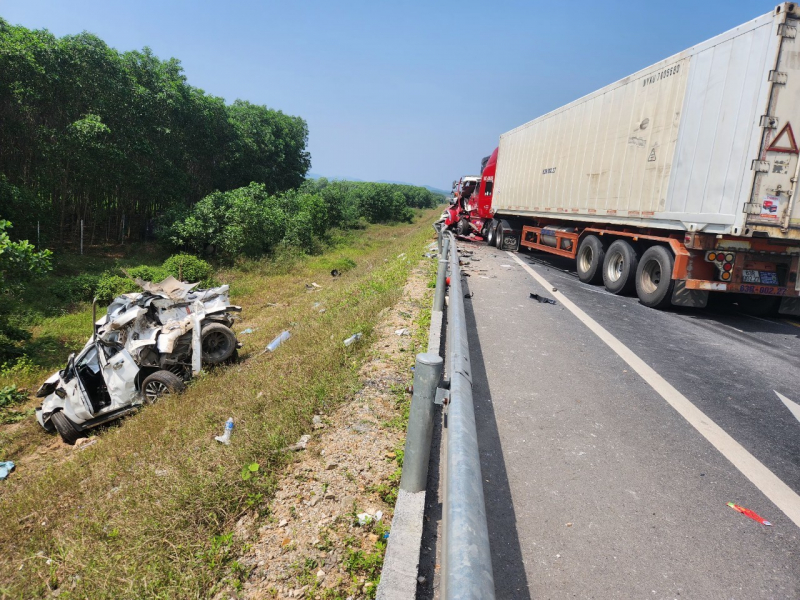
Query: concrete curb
(400, 566)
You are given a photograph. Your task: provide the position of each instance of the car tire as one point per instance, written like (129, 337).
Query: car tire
(462, 227)
(160, 384)
(590, 258)
(491, 234)
(218, 343)
(619, 268)
(654, 281)
(65, 428)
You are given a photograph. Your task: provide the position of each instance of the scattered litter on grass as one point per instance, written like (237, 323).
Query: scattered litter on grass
(403, 331)
(300, 445)
(405, 315)
(273, 345)
(5, 468)
(353, 339)
(225, 438)
(335, 273)
(749, 513)
(402, 255)
(85, 443)
(313, 286)
(364, 518)
(542, 299)
(248, 330)
(316, 305)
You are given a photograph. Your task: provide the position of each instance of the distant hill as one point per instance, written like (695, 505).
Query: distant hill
(337, 177)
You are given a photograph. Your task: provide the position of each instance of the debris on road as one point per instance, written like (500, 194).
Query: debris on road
(506, 266)
(470, 295)
(145, 347)
(353, 339)
(5, 468)
(749, 513)
(225, 438)
(542, 299)
(279, 340)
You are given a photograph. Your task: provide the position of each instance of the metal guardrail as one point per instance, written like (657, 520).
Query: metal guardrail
(466, 558)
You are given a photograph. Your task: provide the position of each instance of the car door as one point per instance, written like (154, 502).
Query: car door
(119, 373)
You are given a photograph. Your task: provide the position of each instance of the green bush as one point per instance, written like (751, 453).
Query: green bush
(79, 288)
(186, 267)
(147, 273)
(110, 286)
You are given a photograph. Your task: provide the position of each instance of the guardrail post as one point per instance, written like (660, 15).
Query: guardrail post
(438, 298)
(427, 374)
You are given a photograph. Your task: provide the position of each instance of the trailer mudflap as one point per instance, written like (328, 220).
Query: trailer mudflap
(789, 306)
(691, 298)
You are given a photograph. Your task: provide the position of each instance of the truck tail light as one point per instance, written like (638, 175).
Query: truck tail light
(723, 262)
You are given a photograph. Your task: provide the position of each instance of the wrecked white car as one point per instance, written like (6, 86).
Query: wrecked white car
(145, 347)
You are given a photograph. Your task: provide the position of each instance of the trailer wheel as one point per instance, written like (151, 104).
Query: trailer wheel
(654, 281)
(491, 235)
(65, 428)
(591, 255)
(619, 268)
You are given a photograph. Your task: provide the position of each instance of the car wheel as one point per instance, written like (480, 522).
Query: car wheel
(491, 235)
(218, 342)
(591, 255)
(160, 384)
(619, 268)
(463, 228)
(65, 428)
(654, 281)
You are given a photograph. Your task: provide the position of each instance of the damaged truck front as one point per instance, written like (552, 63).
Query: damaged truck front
(146, 346)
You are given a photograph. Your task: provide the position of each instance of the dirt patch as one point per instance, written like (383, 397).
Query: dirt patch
(312, 543)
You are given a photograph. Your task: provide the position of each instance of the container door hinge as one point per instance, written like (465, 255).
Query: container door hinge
(787, 31)
(769, 122)
(777, 77)
(752, 208)
(760, 166)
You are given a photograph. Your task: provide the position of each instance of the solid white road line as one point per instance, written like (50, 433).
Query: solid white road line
(794, 407)
(786, 499)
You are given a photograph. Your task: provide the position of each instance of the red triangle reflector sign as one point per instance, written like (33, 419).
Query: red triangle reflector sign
(784, 142)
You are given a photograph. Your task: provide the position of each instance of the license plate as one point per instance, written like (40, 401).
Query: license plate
(749, 276)
(768, 278)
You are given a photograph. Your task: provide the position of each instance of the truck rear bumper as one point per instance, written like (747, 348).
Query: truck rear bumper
(740, 288)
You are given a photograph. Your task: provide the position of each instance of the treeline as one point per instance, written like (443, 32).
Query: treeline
(117, 138)
(249, 221)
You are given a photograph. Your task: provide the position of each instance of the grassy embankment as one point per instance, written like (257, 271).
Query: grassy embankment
(150, 510)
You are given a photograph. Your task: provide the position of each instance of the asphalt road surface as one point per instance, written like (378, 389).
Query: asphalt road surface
(612, 437)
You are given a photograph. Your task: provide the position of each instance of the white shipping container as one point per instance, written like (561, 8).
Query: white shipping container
(701, 141)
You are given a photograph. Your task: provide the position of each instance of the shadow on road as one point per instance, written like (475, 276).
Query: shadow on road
(510, 580)
(722, 308)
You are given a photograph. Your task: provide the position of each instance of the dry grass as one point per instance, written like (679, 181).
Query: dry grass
(149, 511)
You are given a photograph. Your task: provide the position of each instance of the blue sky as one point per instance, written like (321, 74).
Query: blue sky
(406, 91)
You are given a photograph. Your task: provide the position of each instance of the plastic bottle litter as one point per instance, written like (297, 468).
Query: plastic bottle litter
(225, 438)
(273, 345)
(352, 339)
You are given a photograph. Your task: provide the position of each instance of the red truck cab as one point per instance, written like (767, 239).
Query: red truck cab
(471, 210)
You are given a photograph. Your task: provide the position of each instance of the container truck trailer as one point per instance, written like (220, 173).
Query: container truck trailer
(676, 181)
